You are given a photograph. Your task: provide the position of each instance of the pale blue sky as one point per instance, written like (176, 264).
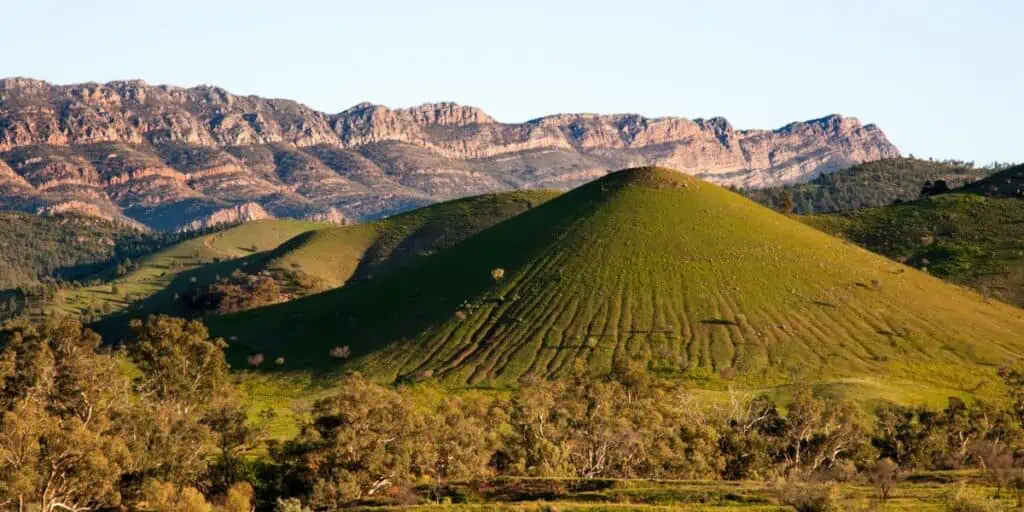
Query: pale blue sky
(942, 78)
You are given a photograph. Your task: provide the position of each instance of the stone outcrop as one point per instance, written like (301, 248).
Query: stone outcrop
(141, 149)
(233, 215)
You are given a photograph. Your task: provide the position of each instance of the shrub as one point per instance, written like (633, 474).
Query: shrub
(340, 352)
(962, 499)
(809, 497)
(883, 474)
(290, 505)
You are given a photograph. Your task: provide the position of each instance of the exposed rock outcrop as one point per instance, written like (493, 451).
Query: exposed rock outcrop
(133, 147)
(234, 215)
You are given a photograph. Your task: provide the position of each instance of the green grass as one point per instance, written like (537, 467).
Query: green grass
(928, 492)
(365, 250)
(653, 265)
(160, 275)
(332, 254)
(965, 238)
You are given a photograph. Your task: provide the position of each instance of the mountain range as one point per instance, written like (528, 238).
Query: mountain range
(171, 158)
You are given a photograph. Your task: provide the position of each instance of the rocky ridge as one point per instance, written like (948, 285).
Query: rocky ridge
(169, 157)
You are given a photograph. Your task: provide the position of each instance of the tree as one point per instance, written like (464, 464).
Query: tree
(883, 474)
(997, 461)
(234, 435)
(788, 203)
(360, 442)
(464, 439)
(589, 427)
(58, 398)
(179, 363)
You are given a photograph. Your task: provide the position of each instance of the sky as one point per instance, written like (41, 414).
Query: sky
(942, 78)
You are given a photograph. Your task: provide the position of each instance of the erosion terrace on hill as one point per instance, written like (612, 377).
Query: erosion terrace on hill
(173, 158)
(653, 265)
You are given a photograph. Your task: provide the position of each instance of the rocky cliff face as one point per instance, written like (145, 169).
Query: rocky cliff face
(169, 157)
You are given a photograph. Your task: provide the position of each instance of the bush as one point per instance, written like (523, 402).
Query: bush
(340, 352)
(962, 499)
(884, 474)
(290, 505)
(809, 498)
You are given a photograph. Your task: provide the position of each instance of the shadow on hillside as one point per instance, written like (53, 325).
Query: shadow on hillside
(720, 321)
(170, 300)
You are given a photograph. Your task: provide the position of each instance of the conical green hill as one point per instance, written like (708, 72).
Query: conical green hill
(645, 264)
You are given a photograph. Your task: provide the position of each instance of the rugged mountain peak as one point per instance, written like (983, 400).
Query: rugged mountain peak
(214, 150)
(832, 124)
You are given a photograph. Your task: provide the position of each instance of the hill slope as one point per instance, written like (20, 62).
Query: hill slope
(973, 236)
(364, 250)
(1007, 183)
(298, 254)
(152, 285)
(867, 185)
(65, 246)
(167, 156)
(648, 264)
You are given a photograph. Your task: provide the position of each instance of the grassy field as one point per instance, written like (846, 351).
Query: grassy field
(920, 492)
(650, 264)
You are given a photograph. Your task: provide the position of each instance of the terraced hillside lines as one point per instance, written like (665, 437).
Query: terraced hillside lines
(364, 250)
(162, 274)
(645, 264)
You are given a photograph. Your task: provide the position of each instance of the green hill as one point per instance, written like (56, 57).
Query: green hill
(364, 250)
(151, 285)
(1008, 183)
(654, 265)
(66, 246)
(291, 250)
(869, 185)
(973, 237)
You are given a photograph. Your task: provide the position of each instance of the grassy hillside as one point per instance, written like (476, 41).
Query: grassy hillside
(654, 265)
(64, 246)
(1007, 183)
(364, 250)
(962, 237)
(152, 286)
(868, 185)
(325, 254)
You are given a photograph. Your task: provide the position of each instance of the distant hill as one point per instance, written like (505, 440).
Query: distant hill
(174, 158)
(973, 236)
(1006, 183)
(66, 247)
(156, 281)
(300, 257)
(362, 251)
(653, 265)
(868, 185)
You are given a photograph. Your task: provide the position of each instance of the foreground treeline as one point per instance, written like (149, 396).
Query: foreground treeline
(157, 425)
